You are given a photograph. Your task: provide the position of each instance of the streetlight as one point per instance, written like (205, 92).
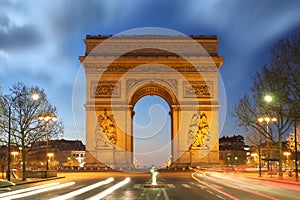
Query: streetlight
(296, 148)
(49, 155)
(268, 98)
(287, 156)
(46, 119)
(14, 153)
(9, 104)
(267, 119)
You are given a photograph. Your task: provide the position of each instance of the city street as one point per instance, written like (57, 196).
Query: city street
(171, 185)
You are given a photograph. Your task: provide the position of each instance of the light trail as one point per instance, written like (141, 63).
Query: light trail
(28, 189)
(214, 188)
(83, 190)
(243, 189)
(16, 196)
(109, 190)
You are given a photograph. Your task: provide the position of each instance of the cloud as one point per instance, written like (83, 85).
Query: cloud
(4, 21)
(19, 38)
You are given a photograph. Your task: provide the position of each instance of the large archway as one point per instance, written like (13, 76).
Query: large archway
(151, 133)
(171, 67)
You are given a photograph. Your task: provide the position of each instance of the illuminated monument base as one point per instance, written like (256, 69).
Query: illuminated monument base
(132, 67)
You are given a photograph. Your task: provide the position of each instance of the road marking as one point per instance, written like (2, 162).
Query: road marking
(26, 194)
(209, 191)
(165, 194)
(109, 190)
(28, 189)
(220, 196)
(171, 185)
(186, 186)
(83, 190)
(137, 186)
(3, 189)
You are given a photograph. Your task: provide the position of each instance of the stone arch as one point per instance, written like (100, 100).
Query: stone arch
(189, 84)
(153, 89)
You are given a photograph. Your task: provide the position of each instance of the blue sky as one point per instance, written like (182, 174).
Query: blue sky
(40, 41)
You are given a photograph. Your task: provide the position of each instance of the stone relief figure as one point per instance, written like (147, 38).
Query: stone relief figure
(101, 140)
(107, 133)
(198, 134)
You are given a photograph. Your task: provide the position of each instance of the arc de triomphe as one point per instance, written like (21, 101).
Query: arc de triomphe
(120, 70)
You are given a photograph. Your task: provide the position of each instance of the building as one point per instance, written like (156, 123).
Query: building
(61, 153)
(233, 150)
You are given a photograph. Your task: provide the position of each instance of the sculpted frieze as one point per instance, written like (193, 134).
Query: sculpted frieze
(199, 89)
(105, 89)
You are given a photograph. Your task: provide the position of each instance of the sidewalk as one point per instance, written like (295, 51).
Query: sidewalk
(254, 175)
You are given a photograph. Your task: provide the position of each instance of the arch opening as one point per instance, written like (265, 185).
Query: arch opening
(151, 132)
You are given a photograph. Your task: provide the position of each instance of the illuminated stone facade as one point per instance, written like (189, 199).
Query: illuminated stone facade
(121, 70)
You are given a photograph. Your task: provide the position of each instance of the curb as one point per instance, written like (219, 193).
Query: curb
(274, 180)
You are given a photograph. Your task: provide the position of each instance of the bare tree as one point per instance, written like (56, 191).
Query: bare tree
(279, 80)
(19, 119)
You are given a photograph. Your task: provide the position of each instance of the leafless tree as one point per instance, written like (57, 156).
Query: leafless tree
(19, 114)
(280, 80)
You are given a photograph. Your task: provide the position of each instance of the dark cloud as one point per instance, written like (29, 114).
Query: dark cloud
(70, 18)
(4, 21)
(19, 38)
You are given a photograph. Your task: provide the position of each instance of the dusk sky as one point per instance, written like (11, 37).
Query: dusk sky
(40, 41)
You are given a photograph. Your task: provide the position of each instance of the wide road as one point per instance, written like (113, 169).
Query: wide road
(171, 185)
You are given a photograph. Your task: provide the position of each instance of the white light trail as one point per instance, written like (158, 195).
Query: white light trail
(83, 190)
(38, 191)
(109, 190)
(28, 189)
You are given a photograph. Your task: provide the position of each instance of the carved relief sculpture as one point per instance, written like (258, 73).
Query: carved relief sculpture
(199, 133)
(107, 133)
(197, 88)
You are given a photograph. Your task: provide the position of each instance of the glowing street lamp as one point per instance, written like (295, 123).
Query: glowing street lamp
(268, 98)
(267, 119)
(46, 119)
(14, 153)
(287, 155)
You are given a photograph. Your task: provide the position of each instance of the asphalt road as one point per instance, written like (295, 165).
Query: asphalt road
(171, 185)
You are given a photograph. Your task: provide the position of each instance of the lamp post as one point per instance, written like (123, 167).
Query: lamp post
(9, 104)
(46, 119)
(287, 156)
(267, 119)
(296, 150)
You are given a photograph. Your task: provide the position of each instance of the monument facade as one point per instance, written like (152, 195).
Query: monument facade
(120, 70)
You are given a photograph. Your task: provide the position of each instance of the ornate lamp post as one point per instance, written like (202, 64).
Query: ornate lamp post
(287, 157)
(267, 119)
(46, 119)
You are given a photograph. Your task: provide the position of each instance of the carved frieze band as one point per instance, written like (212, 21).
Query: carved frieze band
(121, 68)
(199, 89)
(105, 89)
(169, 83)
